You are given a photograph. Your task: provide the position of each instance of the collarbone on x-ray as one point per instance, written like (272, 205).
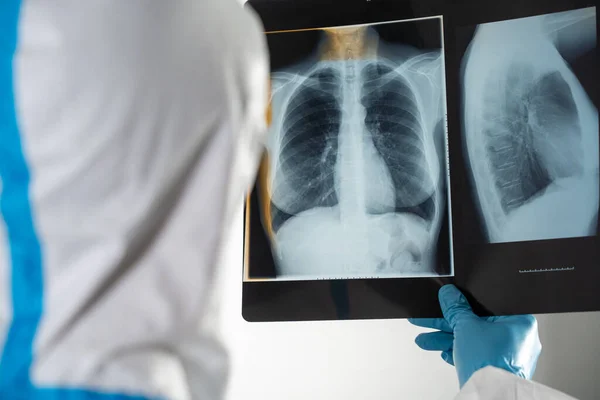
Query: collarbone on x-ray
(357, 187)
(530, 130)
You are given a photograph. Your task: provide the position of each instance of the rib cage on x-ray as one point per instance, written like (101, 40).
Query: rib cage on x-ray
(531, 131)
(353, 156)
(309, 149)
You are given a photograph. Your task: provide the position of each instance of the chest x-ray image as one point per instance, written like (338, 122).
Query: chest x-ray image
(530, 128)
(356, 182)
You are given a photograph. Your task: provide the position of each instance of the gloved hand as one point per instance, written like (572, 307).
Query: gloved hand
(471, 343)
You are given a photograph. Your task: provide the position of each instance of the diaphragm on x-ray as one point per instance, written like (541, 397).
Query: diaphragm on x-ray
(356, 183)
(529, 128)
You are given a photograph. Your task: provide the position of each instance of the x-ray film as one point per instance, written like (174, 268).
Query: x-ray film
(530, 129)
(355, 182)
(416, 144)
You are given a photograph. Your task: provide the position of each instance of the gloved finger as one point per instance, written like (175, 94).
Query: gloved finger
(433, 323)
(435, 341)
(448, 356)
(524, 323)
(493, 318)
(454, 305)
(526, 320)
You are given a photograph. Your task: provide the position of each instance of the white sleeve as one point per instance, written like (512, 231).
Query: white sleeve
(495, 384)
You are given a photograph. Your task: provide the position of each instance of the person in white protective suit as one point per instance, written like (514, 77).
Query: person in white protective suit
(129, 131)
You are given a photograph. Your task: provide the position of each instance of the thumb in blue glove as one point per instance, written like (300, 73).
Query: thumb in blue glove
(470, 343)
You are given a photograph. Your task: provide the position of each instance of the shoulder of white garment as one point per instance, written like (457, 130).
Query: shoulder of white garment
(496, 384)
(148, 104)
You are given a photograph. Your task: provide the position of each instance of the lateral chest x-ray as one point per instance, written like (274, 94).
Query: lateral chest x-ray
(357, 183)
(530, 129)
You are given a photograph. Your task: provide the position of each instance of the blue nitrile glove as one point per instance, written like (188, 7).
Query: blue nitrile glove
(471, 343)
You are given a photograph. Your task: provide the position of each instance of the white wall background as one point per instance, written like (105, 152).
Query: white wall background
(358, 360)
(570, 359)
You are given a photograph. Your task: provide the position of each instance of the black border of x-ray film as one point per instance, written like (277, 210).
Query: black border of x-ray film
(487, 273)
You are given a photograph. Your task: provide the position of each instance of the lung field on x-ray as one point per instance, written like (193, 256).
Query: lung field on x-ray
(309, 147)
(530, 128)
(356, 184)
(516, 139)
(393, 121)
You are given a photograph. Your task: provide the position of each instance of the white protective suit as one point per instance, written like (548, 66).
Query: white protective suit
(129, 130)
